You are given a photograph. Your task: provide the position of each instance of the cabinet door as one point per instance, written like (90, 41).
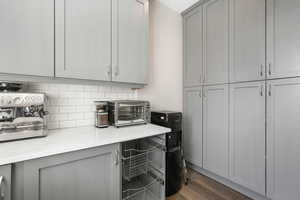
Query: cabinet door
(247, 135)
(283, 139)
(215, 130)
(283, 30)
(83, 39)
(130, 40)
(216, 41)
(192, 126)
(5, 182)
(89, 174)
(27, 37)
(247, 40)
(193, 48)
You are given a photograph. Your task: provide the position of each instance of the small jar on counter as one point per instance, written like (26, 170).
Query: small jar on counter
(101, 114)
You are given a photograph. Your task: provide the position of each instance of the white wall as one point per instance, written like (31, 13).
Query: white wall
(165, 77)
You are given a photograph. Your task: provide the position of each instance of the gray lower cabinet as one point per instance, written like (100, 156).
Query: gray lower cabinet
(27, 37)
(5, 182)
(92, 174)
(283, 139)
(192, 125)
(216, 130)
(247, 135)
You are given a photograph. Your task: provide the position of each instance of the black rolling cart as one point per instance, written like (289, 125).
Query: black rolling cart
(174, 161)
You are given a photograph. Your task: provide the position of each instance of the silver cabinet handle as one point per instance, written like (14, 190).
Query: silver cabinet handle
(117, 71)
(108, 72)
(117, 157)
(261, 90)
(270, 90)
(2, 191)
(269, 70)
(261, 73)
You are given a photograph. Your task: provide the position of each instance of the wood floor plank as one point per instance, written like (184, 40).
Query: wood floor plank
(203, 188)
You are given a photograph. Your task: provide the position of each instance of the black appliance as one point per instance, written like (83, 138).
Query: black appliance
(174, 168)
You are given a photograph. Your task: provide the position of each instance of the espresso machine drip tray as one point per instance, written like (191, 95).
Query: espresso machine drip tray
(11, 127)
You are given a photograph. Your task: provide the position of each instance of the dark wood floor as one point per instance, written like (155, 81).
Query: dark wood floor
(203, 188)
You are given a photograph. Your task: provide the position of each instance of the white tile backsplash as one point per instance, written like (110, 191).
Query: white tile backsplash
(73, 105)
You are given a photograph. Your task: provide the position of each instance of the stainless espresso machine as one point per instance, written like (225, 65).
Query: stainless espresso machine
(22, 115)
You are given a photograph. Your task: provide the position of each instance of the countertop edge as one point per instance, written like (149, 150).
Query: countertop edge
(72, 148)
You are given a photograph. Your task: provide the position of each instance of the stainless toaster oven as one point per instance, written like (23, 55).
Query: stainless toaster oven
(128, 112)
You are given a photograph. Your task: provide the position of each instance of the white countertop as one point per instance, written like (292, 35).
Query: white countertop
(73, 139)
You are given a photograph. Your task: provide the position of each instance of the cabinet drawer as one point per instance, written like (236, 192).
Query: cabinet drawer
(5, 182)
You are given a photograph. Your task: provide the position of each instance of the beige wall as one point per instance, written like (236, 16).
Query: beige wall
(165, 80)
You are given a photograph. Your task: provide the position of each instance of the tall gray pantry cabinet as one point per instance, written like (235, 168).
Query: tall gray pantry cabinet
(92, 40)
(260, 137)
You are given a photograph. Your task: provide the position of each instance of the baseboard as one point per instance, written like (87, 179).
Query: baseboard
(228, 183)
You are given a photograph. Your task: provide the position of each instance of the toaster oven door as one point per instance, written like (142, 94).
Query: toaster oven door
(131, 113)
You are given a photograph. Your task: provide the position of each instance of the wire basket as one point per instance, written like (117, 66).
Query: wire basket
(136, 162)
(142, 188)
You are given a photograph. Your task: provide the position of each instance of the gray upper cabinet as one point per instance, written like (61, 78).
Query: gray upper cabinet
(130, 41)
(193, 48)
(92, 174)
(216, 130)
(247, 135)
(83, 39)
(27, 37)
(247, 40)
(5, 182)
(192, 126)
(216, 41)
(283, 30)
(283, 139)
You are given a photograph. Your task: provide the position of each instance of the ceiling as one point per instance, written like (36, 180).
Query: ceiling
(178, 5)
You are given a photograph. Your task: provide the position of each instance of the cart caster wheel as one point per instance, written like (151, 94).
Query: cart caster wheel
(186, 182)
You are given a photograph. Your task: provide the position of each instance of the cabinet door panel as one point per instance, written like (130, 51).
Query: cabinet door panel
(247, 40)
(88, 174)
(193, 48)
(283, 139)
(216, 54)
(5, 187)
(83, 39)
(130, 59)
(27, 37)
(215, 130)
(283, 30)
(247, 135)
(193, 126)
